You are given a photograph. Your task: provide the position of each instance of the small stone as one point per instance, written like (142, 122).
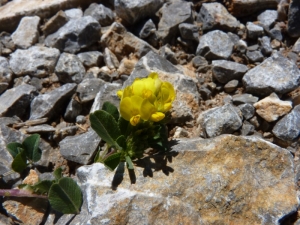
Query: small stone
(231, 86)
(255, 56)
(5, 71)
(73, 109)
(255, 121)
(254, 31)
(215, 45)
(241, 46)
(80, 119)
(44, 128)
(27, 33)
(285, 76)
(37, 83)
(147, 29)
(216, 16)
(54, 23)
(296, 47)
(271, 107)
(225, 71)
(168, 54)
(275, 44)
(90, 59)
(110, 59)
(127, 65)
(32, 178)
(51, 103)
(205, 93)
(288, 128)
(75, 13)
(265, 43)
(180, 133)
(276, 33)
(244, 98)
(199, 61)
(247, 129)
(294, 18)
(72, 36)
(69, 68)
(35, 61)
(268, 18)
(229, 120)
(102, 14)
(89, 88)
(80, 148)
(16, 101)
(247, 110)
(189, 31)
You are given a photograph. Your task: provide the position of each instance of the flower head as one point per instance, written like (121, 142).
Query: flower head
(147, 99)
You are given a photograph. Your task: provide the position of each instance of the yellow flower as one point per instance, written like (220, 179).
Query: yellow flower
(147, 99)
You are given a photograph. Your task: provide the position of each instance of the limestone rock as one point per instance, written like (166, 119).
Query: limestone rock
(206, 183)
(293, 18)
(132, 11)
(189, 31)
(72, 36)
(215, 16)
(285, 76)
(268, 18)
(35, 61)
(271, 107)
(173, 14)
(225, 71)
(16, 101)
(288, 128)
(89, 88)
(5, 70)
(123, 43)
(54, 23)
(215, 45)
(27, 32)
(49, 104)
(254, 31)
(74, 13)
(244, 98)
(102, 14)
(90, 59)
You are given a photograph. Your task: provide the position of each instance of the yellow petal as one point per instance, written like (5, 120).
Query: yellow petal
(120, 93)
(167, 92)
(135, 120)
(147, 109)
(158, 116)
(167, 107)
(130, 106)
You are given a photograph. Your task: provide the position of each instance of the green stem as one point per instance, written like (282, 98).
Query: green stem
(19, 193)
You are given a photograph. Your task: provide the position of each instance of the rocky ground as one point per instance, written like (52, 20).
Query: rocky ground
(235, 122)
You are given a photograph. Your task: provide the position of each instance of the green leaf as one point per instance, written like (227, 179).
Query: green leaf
(42, 187)
(121, 141)
(106, 127)
(58, 173)
(112, 161)
(111, 109)
(65, 196)
(129, 162)
(124, 126)
(31, 147)
(97, 157)
(19, 163)
(14, 148)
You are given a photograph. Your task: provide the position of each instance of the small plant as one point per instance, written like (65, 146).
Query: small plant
(138, 126)
(63, 193)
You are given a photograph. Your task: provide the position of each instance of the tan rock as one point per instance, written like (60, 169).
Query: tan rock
(271, 107)
(127, 65)
(32, 178)
(225, 180)
(12, 12)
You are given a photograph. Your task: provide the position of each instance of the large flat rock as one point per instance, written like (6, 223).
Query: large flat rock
(225, 180)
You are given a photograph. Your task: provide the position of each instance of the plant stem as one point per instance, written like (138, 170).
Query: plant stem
(19, 193)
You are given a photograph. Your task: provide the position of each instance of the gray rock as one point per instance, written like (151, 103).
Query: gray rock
(110, 59)
(89, 88)
(80, 148)
(285, 76)
(102, 14)
(268, 18)
(3, 87)
(293, 19)
(147, 29)
(16, 101)
(288, 128)
(27, 33)
(205, 93)
(37, 83)
(241, 46)
(54, 23)
(254, 31)
(51, 103)
(72, 36)
(90, 59)
(247, 110)
(225, 71)
(168, 54)
(221, 120)
(44, 128)
(35, 61)
(107, 93)
(247, 129)
(69, 68)
(189, 31)
(73, 109)
(74, 13)
(231, 86)
(296, 48)
(63, 132)
(5, 71)
(7, 42)
(199, 61)
(244, 98)
(123, 43)
(255, 56)
(80, 119)
(265, 43)
(135, 10)
(216, 16)
(215, 45)
(276, 33)
(173, 14)
(225, 172)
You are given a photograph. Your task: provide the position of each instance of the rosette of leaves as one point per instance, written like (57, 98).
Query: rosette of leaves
(125, 142)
